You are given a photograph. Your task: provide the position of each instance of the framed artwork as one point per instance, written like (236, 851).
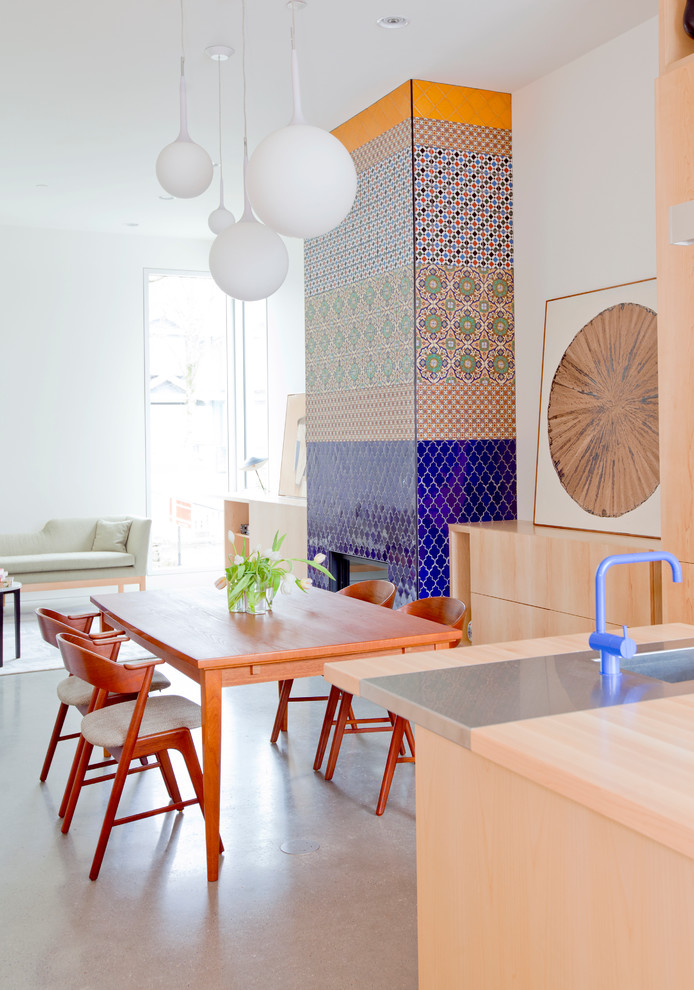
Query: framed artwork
(597, 452)
(293, 467)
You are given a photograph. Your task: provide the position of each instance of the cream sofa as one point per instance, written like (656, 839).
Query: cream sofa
(79, 553)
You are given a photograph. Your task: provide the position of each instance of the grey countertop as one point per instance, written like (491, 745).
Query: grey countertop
(453, 701)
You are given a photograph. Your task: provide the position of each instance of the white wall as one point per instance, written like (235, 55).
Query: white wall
(584, 199)
(286, 358)
(72, 368)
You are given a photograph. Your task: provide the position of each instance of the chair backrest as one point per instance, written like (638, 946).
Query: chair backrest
(447, 611)
(85, 659)
(376, 592)
(51, 624)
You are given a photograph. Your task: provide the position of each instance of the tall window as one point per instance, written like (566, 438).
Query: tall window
(207, 392)
(250, 320)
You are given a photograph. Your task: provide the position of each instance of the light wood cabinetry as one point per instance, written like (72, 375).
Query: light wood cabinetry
(556, 852)
(523, 581)
(264, 516)
(675, 184)
(519, 886)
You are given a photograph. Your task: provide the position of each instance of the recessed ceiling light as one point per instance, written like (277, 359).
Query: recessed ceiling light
(392, 21)
(41, 185)
(166, 197)
(130, 224)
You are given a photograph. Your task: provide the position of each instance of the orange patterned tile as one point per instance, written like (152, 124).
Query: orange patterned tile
(474, 412)
(460, 104)
(376, 119)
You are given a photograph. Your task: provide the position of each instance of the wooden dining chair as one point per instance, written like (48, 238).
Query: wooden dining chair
(148, 726)
(447, 611)
(72, 690)
(378, 593)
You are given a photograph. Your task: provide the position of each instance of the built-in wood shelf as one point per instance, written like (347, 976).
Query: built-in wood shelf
(265, 515)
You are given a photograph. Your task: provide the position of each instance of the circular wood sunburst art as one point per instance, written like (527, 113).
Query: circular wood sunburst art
(603, 412)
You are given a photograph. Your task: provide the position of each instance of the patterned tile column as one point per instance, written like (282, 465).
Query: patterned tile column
(409, 336)
(361, 455)
(465, 380)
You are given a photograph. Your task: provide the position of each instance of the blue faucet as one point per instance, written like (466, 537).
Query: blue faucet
(612, 647)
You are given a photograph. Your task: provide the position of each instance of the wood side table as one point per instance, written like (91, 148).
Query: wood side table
(11, 589)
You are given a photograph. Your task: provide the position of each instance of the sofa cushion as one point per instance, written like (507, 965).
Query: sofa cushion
(111, 535)
(65, 562)
(57, 536)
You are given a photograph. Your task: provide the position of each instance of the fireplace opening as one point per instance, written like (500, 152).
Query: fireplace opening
(349, 569)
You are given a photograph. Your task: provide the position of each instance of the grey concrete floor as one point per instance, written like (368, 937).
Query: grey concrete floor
(343, 916)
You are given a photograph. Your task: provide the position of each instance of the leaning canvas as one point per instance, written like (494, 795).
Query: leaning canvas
(597, 458)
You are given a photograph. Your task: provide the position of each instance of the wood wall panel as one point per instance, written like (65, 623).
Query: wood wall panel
(678, 599)
(527, 581)
(555, 573)
(675, 184)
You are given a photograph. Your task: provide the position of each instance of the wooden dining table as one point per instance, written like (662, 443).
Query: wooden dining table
(194, 631)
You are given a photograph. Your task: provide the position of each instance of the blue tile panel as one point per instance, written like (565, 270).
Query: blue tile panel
(362, 501)
(376, 236)
(459, 481)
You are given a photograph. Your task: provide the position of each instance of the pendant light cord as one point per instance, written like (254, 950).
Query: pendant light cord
(247, 209)
(183, 134)
(219, 113)
(243, 75)
(297, 113)
(183, 51)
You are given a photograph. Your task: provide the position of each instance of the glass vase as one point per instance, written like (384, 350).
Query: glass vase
(255, 600)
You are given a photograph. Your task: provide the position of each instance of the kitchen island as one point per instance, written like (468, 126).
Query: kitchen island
(555, 816)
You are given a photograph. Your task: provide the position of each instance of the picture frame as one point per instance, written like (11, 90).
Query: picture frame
(293, 465)
(574, 478)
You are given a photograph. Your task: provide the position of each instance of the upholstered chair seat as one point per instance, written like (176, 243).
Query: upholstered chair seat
(75, 691)
(108, 727)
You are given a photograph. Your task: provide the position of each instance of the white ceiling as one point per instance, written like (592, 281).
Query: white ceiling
(90, 89)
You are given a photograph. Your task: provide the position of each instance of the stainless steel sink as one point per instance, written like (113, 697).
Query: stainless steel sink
(673, 666)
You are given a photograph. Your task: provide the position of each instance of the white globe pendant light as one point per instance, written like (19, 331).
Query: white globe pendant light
(183, 168)
(301, 179)
(248, 260)
(221, 218)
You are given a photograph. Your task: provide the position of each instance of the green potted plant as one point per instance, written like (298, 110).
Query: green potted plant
(253, 579)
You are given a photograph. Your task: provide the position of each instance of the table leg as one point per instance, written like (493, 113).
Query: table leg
(211, 698)
(17, 616)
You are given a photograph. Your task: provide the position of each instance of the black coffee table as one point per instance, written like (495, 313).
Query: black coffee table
(10, 589)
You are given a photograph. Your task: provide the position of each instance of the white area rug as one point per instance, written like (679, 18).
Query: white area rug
(36, 654)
